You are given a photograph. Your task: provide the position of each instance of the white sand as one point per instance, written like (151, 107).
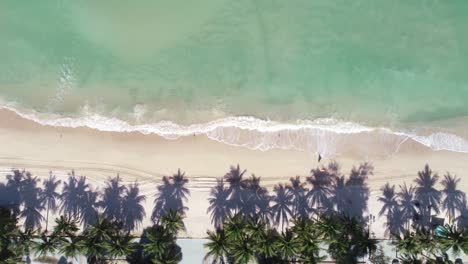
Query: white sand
(145, 158)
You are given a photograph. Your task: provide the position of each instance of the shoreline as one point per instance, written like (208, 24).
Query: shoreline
(146, 158)
(328, 136)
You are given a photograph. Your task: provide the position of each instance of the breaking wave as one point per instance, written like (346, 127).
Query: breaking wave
(327, 136)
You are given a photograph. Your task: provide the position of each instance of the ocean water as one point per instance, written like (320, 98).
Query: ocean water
(313, 75)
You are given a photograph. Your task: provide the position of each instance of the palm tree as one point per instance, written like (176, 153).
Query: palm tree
(46, 245)
(305, 229)
(346, 237)
(265, 244)
(112, 199)
(216, 247)
(426, 193)
(68, 242)
(288, 246)
(49, 196)
(281, 209)
(161, 246)
(25, 241)
(298, 191)
(407, 203)
(132, 210)
(120, 245)
(32, 204)
(242, 251)
(11, 250)
(319, 193)
(219, 204)
(416, 246)
(452, 238)
(71, 246)
(453, 198)
(235, 228)
(65, 226)
(173, 222)
(236, 187)
(98, 237)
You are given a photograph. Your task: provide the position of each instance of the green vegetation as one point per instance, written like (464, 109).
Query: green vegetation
(241, 240)
(299, 222)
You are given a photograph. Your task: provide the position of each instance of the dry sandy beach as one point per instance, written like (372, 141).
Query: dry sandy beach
(146, 158)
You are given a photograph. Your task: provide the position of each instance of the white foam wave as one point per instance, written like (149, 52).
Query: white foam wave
(328, 136)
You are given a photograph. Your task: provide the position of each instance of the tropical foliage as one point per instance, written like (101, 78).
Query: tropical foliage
(293, 222)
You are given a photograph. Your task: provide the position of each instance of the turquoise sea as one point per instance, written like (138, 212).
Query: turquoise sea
(304, 74)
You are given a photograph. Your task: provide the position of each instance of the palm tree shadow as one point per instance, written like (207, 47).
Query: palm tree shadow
(132, 210)
(395, 221)
(50, 196)
(454, 199)
(255, 199)
(31, 200)
(78, 200)
(358, 190)
(244, 197)
(282, 203)
(318, 195)
(219, 204)
(427, 197)
(22, 196)
(171, 196)
(236, 188)
(111, 202)
(349, 196)
(300, 206)
(462, 218)
(10, 197)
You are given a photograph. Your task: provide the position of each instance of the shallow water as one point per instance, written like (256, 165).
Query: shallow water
(399, 65)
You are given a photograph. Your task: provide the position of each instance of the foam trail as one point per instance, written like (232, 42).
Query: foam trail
(327, 136)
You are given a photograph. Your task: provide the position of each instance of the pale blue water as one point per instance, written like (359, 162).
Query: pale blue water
(192, 250)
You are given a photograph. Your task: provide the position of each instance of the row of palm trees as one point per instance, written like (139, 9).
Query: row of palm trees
(326, 190)
(328, 211)
(432, 246)
(415, 207)
(325, 197)
(102, 242)
(78, 200)
(347, 240)
(249, 240)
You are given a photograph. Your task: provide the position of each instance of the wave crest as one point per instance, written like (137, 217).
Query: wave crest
(327, 136)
